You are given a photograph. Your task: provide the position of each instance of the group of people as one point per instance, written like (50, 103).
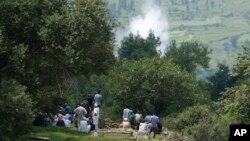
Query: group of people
(146, 126)
(85, 116)
(63, 118)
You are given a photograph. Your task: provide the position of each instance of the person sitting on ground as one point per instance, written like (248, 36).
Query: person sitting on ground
(55, 120)
(61, 110)
(47, 119)
(39, 120)
(84, 126)
(69, 117)
(68, 109)
(60, 121)
(144, 128)
(125, 124)
(67, 120)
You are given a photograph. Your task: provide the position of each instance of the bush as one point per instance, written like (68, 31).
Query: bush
(16, 114)
(200, 123)
(188, 118)
(215, 130)
(155, 85)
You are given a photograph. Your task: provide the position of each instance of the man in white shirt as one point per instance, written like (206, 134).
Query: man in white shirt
(126, 114)
(84, 126)
(80, 113)
(96, 114)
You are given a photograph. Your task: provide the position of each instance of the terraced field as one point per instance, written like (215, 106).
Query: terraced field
(224, 25)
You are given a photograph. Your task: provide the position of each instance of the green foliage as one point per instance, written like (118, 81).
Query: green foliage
(236, 103)
(236, 100)
(135, 47)
(80, 86)
(211, 122)
(152, 82)
(16, 110)
(200, 123)
(189, 55)
(220, 81)
(189, 117)
(64, 134)
(43, 43)
(216, 129)
(242, 67)
(222, 21)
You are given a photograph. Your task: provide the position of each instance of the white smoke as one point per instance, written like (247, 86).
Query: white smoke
(151, 18)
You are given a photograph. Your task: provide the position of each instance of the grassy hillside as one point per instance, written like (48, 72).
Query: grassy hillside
(222, 24)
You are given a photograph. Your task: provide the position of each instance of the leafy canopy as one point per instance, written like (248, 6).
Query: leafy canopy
(45, 42)
(136, 47)
(154, 85)
(235, 101)
(16, 114)
(189, 55)
(42, 44)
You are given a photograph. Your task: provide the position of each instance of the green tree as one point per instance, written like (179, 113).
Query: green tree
(152, 84)
(43, 43)
(135, 47)
(16, 114)
(220, 81)
(189, 117)
(235, 101)
(189, 55)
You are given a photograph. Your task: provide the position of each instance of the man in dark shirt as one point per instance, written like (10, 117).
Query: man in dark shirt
(90, 99)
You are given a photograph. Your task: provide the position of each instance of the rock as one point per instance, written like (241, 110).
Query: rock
(108, 123)
(39, 138)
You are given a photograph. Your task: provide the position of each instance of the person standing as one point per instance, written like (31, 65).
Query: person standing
(90, 99)
(154, 121)
(132, 119)
(86, 105)
(96, 114)
(98, 98)
(148, 118)
(138, 119)
(80, 113)
(126, 114)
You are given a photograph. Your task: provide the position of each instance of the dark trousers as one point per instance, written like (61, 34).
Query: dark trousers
(154, 130)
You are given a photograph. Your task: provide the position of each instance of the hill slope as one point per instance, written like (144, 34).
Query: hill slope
(222, 24)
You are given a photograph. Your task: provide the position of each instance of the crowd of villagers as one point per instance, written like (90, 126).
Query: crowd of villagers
(85, 117)
(149, 125)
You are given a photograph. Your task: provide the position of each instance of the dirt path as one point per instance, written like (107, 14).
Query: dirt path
(130, 134)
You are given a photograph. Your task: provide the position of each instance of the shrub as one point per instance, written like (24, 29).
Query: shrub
(200, 123)
(15, 111)
(189, 117)
(215, 130)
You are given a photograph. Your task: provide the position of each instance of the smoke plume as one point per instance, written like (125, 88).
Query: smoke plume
(151, 18)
